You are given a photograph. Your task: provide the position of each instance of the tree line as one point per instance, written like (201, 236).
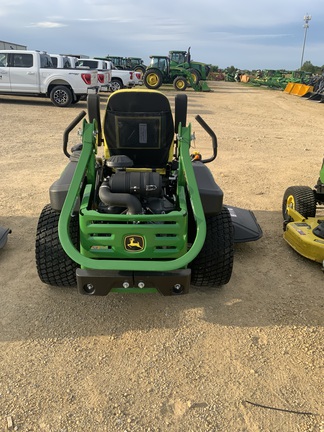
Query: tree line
(306, 67)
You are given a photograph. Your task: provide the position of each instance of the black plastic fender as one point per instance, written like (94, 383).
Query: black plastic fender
(4, 236)
(59, 189)
(211, 194)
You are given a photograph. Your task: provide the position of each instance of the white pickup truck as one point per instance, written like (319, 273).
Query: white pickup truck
(124, 79)
(119, 78)
(31, 73)
(103, 68)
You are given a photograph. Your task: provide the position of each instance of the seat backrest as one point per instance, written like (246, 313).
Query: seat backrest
(139, 124)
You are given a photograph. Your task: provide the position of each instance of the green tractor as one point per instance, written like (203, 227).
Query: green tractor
(199, 71)
(161, 72)
(136, 64)
(119, 62)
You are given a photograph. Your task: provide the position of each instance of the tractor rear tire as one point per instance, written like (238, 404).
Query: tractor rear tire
(54, 267)
(153, 79)
(180, 83)
(140, 69)
(195, 76)
(214, 264)
(300, 198)
(93, 105)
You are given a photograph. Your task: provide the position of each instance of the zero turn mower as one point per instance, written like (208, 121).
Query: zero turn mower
(146, 216)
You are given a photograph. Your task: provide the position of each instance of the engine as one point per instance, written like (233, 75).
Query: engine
(137, 193)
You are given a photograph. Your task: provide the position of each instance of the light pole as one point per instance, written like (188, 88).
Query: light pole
(307, 18)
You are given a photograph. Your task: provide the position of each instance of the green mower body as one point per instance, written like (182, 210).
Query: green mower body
(143, 217)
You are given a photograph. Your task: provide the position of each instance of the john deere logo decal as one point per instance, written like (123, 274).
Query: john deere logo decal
(134, 243)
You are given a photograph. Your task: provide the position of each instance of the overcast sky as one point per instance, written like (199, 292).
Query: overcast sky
(247, 34)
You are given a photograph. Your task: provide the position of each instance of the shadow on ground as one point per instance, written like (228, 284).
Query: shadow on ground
(270, 285)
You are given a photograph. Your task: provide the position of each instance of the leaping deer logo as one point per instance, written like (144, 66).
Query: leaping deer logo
(134, 243)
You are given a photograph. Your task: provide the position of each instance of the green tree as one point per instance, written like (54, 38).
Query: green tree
(231, 70)
(308, 67)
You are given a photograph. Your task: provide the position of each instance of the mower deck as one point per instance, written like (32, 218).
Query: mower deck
(301, 235)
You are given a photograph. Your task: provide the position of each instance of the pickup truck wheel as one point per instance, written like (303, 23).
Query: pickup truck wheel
(153, 79)
(61, 96)
(116, 84)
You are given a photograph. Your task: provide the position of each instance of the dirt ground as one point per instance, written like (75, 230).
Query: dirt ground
(247, 357)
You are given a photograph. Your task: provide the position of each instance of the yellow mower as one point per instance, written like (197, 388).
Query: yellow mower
(303, 213)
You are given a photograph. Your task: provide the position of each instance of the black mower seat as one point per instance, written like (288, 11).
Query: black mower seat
(139, 124)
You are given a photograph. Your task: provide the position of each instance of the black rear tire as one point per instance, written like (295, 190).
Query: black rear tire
(93, 105)
(61, 96)
(180, 111)
(214, 264)
(300, 198)
(54, 267)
